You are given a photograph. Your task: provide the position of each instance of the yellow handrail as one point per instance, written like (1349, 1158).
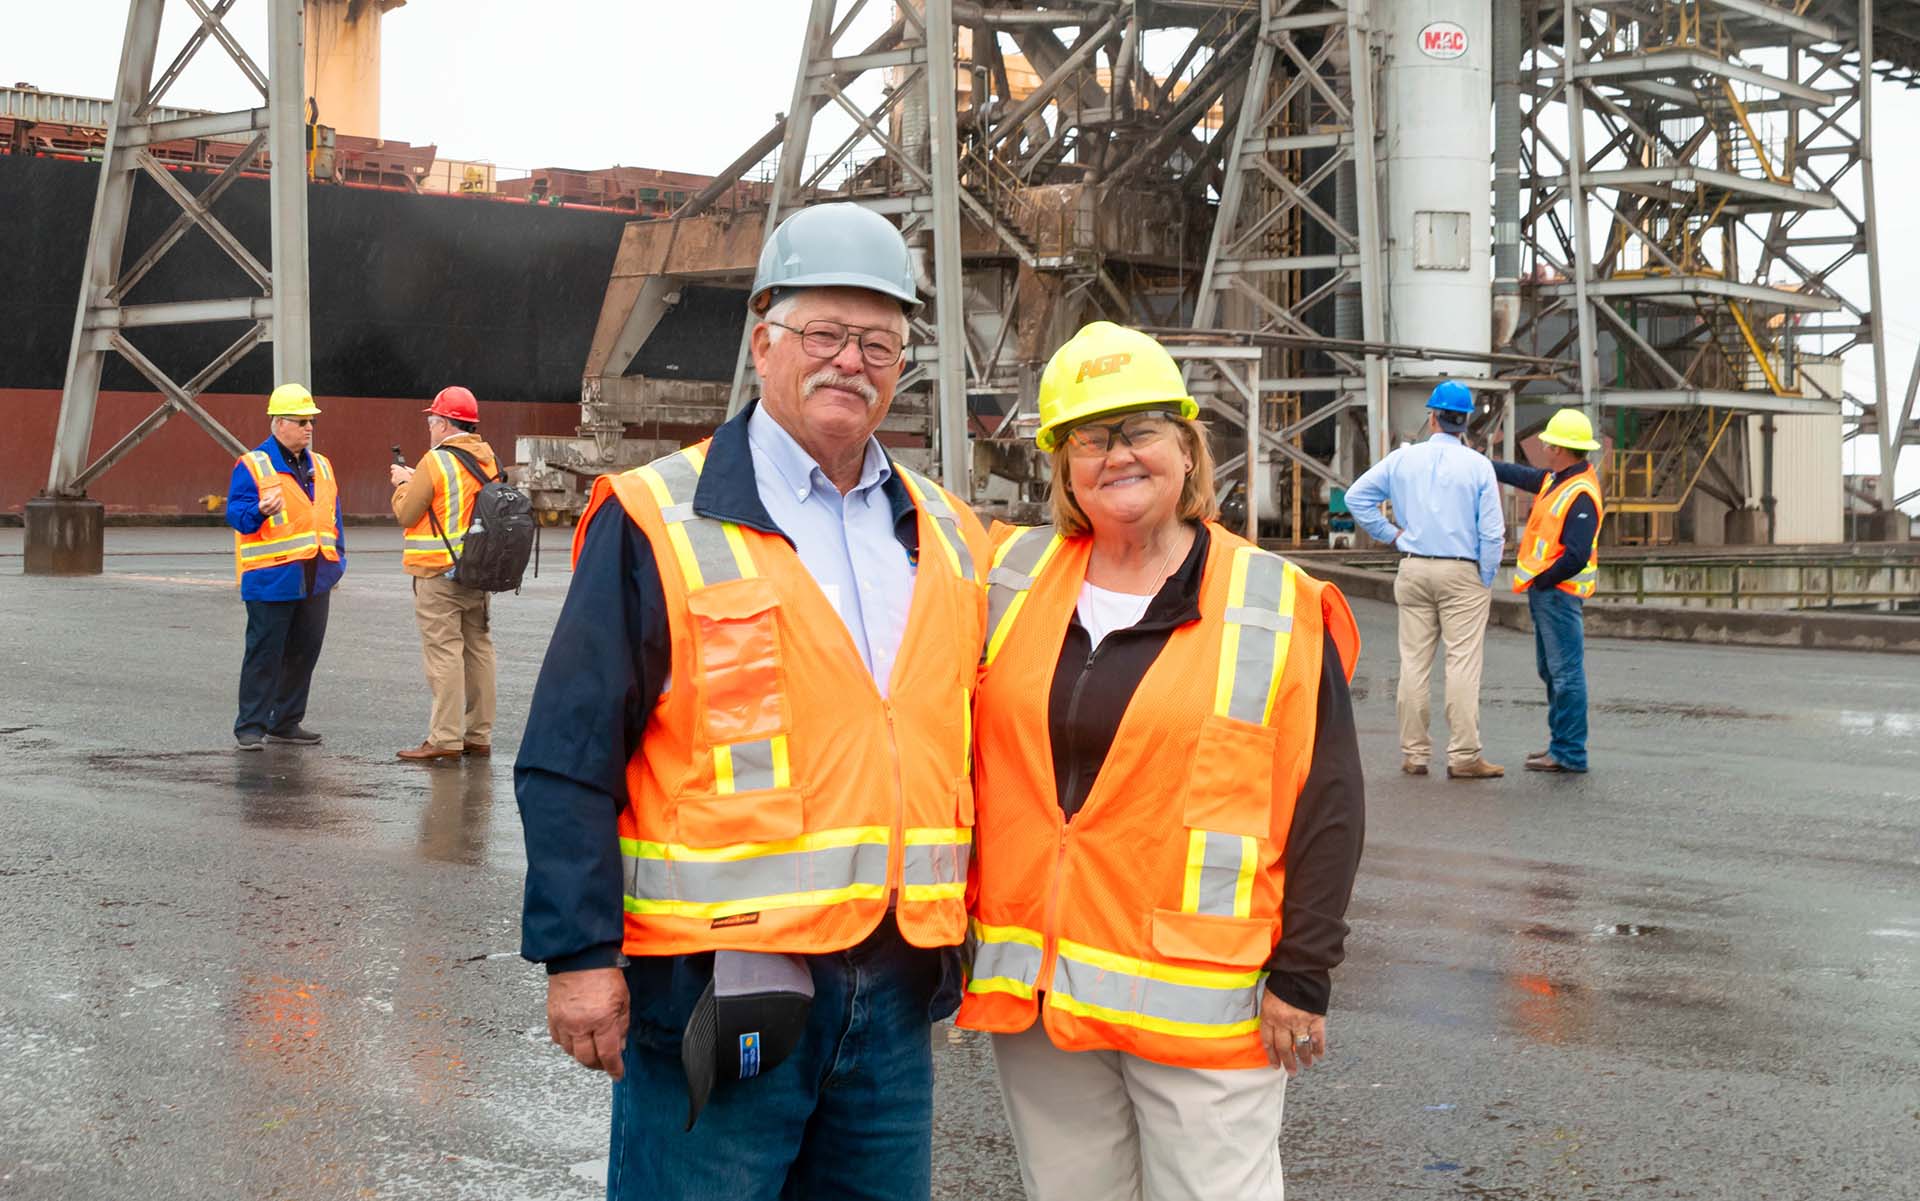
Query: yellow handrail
(1759, 149)
(1759, 352)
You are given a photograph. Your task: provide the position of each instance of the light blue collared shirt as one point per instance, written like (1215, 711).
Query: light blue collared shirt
(846, 542)
(1445, 498)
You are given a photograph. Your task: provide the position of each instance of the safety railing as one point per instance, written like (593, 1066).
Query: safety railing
(1764, 584)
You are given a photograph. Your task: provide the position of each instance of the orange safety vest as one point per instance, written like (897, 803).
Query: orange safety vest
(776, 801)
(301, 530)
(1147, 921)
(1540, 545)
(454, 492)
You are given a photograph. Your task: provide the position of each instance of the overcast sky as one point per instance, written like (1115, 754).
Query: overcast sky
(687, 86)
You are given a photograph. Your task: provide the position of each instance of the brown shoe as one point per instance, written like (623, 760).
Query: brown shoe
(1413, 767)
(479, 750)
(1479, 769)
(426, 752)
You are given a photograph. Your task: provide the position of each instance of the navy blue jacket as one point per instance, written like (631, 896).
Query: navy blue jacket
(1576, 532)
(289, 581)
(605, 667)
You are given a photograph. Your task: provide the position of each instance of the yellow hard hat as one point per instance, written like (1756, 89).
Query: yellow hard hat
(1571, 429)
(291, 400)
(1107, 368)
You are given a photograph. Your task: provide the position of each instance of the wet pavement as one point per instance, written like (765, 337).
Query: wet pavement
(1694, 973)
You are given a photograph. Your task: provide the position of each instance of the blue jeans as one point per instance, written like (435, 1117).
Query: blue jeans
(1560, 652)
(283, 646)
(848, 1115)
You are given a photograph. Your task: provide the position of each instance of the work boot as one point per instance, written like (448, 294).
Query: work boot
(479, 750)
(1479, 769)
(1413, 767)
(249, 741)
(1544, 762)
(426, 752)
(299, 734)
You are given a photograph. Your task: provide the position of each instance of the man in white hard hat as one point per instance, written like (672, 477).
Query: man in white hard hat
(1557, 565)
(744, 775)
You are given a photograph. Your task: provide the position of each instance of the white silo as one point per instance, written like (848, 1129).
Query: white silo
(1437, 89)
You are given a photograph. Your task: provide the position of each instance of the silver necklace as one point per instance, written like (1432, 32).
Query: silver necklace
(1160, 572)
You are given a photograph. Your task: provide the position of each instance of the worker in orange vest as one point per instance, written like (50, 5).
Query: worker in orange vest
(1557, 565)
(1169, 800)
(289, 551)
(434, 501)
(744, 773)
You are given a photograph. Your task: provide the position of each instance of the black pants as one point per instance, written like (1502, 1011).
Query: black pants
(283, 645)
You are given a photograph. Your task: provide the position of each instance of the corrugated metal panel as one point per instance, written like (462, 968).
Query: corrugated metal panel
(1809, 497)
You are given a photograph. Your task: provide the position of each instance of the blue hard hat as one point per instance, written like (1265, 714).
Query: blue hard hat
(1451, 397)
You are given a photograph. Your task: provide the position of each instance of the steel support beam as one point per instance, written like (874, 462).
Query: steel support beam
(136, 120)
(925, 196)
(287, 190)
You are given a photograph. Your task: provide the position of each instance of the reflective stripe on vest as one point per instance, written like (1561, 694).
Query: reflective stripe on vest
(1016, 564)
(264, 476)
(1182, 1001)
(279, 540)
(934, 500)
(717, 882)
(1092, 983)
(1537, 541)
(422, 545)
(1253, 657)
(1005, 959)
(816, 869)
(936, 863)
(710, 551)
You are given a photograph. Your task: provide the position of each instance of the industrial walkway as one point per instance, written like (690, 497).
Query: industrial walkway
(1693, 974)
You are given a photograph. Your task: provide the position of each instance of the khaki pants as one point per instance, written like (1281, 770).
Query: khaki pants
(1441, 600)
(458, 649)
(1106, 1126)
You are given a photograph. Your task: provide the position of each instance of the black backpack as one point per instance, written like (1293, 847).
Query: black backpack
(499, 540)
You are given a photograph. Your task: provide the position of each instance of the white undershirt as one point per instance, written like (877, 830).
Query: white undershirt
(1102, 611)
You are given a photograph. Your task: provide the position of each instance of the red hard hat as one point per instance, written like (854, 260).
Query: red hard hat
(455, 403)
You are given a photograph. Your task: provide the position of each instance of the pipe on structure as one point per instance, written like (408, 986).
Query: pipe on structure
(1508, 40)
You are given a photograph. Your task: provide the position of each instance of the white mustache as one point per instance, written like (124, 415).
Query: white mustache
(829, 378)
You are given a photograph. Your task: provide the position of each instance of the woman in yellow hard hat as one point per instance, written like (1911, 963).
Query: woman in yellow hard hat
(1556, 565)
(1165, 768)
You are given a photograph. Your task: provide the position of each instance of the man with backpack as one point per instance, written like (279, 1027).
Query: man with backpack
(436, 502)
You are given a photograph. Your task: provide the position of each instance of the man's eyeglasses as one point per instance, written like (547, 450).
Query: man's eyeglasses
(304, 422)
(824, 340)
(1095, 439)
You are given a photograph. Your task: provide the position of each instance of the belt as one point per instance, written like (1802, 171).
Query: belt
(1407, 554)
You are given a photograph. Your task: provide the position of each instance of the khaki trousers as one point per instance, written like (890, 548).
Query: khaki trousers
(1106, 1126)
(458, 649)
(1441, 600)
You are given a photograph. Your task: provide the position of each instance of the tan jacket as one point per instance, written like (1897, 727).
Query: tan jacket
(411, 499)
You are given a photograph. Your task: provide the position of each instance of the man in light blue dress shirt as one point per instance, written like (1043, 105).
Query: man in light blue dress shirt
(833, 531)
(1448, 528)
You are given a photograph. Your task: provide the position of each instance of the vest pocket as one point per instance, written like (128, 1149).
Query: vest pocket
(737, 655)
(1230, 785)
(714, 821)
(1206, 938)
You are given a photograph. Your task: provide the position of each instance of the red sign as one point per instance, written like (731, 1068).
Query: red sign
(1443, 39)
